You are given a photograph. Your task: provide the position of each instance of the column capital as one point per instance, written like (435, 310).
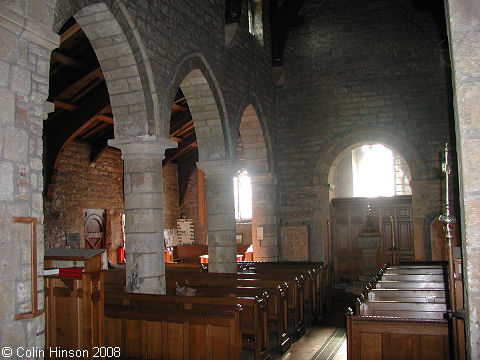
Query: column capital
(143, 145)
(219, 167)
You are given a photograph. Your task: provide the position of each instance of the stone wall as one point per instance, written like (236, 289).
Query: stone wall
(171, 207)
(83, 185)
(351, 70)
(25, 46)
(464, 28)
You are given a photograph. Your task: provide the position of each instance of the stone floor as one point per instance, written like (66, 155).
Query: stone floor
(320, 336)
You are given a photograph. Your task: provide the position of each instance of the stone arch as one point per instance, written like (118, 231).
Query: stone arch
(325, 161)
(204, 98)
(339, 145)
(255, 136)
(345, 151)
(123, 59)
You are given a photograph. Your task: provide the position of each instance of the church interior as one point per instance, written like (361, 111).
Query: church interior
(239, 179)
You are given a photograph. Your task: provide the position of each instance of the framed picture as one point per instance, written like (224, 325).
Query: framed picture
(239, 238)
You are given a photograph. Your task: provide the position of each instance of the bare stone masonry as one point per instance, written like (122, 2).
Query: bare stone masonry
(145, 247)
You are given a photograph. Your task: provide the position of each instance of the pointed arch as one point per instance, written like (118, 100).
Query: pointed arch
(254, 135)
(194, 76)
(124, 62)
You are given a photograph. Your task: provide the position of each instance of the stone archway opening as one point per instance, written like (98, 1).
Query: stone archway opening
(259, 231)
(369, 170)
(369, 177)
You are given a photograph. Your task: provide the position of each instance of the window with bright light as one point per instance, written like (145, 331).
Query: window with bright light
(373, 171)
(242, 190)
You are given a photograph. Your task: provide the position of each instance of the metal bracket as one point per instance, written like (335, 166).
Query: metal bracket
(459, 314)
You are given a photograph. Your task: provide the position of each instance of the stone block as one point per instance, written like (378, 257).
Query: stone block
(7, 103)
(21, 81)
(221, 222)
(144, 200)
(144, 243)
(147, 182)
(6, 182)
(143, 221)
(7, 306)
(16, 148)
(4, 74)
(12, 334)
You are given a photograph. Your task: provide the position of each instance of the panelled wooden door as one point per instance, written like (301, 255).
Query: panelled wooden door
(348, 218)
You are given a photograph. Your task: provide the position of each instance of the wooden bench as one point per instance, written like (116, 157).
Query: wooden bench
(255, 332)
(315, 280)
(413, 277)
(253, 319)
(422, 295)
(414, 310)
(311, 296)
(294, 289)
(400, 315)
(378, 337)
(157, 331)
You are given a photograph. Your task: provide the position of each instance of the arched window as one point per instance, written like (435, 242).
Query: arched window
(371, 170)
(242, 189)
(255, 21)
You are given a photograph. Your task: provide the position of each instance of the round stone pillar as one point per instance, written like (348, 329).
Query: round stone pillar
(264, 218)
(220, 203)
(143, 187)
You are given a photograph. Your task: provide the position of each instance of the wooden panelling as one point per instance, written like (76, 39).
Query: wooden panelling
(154, 345)
(368, 346)
(401, 346)
(347, 223)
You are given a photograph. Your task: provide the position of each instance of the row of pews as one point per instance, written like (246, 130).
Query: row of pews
(401, 315)
(214, 316)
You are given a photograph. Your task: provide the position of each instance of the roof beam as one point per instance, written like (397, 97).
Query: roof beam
(67, 60)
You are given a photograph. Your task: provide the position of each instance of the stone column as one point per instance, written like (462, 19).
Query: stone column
(143, 189)
(222, 247)
(264, 216)
(464, 35)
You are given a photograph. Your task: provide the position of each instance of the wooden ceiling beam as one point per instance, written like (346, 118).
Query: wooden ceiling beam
(99, 145)
(67, 60)
(79, 85)
(65, 105)
(61, 133)
(183, 148)
(105, 118)
(72, 30)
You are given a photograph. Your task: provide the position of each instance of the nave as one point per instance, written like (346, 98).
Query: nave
(325, 340)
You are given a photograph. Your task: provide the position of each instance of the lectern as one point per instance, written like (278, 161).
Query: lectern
(73, 301)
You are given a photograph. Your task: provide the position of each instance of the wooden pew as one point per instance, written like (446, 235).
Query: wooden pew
(423, 295)
(253, 319)
(413, 277)
(316, 275)
(276, 307)
(387, 284)
(254, 331)
(378, 337)
(402, 314)
(414, 310)
(157, 331)
(295, 290)
(311, 297)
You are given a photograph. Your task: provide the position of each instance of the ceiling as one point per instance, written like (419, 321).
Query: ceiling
(83, 111)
